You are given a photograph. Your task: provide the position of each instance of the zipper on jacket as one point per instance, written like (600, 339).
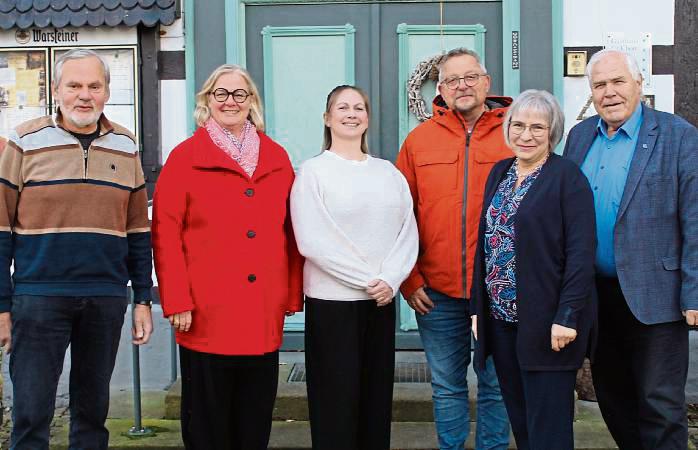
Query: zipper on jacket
(84, 154)
(464, 238)
(464, 218)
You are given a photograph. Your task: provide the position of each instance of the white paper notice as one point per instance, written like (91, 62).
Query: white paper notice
(7, 76)
(639, 45)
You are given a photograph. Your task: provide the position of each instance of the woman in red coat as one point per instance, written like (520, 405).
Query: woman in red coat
(227, 264)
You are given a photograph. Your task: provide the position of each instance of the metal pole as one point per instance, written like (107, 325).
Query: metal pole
(173, 356)
(137, 429)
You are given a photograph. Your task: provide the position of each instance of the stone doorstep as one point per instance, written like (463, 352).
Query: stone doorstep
(411, 401)
(589, 435)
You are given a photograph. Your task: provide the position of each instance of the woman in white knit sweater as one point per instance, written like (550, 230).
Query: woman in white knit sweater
(354, 223)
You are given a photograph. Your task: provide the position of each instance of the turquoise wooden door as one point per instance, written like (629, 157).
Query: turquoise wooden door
(299, 52)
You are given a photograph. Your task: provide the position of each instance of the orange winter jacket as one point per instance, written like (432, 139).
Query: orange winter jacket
(433, 160)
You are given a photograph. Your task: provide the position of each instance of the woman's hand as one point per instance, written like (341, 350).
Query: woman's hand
(181, 321)
(561, 336)
(473, 325)
(380, 291)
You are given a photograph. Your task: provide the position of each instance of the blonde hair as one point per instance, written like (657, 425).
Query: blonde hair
(202, 112)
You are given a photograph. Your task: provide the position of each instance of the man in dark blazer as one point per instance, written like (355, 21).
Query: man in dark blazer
(642, 165)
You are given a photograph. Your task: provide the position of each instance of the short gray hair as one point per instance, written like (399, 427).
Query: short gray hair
(630, 62)
(540, 102)
(79, 53)
(460, 51)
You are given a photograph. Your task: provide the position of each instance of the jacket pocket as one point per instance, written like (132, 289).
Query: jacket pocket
(437, 173)
(483, 162)
(671, 263)
(489, 157)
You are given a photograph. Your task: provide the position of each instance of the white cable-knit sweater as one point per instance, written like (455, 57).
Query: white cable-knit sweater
(354, 222)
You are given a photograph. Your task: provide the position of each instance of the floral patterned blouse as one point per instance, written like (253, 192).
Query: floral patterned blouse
(500, 256)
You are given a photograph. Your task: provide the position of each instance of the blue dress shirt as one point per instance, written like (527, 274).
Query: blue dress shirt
(606, 166)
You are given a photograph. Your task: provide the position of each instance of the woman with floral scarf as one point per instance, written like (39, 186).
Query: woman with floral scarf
(227, 264)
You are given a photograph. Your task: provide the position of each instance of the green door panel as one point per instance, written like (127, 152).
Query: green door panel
(301, 65)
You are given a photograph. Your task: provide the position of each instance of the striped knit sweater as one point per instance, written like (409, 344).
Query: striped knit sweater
(72, 225)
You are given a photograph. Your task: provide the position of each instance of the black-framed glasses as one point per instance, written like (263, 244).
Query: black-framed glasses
(239, 95)
(470, 80)
(537, 130)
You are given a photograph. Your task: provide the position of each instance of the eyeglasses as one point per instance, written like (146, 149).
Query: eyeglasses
(518, 128)
(239, 95)
(470, 80)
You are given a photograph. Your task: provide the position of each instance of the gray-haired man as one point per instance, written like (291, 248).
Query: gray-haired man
(446, 160)
(642, 167)
(77, 234)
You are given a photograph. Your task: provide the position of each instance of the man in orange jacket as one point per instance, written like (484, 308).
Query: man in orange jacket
(446, 161)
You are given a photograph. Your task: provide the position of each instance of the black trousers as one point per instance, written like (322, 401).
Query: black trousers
(227, 401)
(350, 363)
(639, 375)
(42, 329)
(540, 404)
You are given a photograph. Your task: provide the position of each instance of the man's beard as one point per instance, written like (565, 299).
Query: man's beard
(82, 121)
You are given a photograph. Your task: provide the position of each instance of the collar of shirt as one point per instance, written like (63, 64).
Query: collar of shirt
(631, 127)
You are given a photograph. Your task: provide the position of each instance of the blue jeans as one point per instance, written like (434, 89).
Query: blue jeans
(445, 334)
(42, 329)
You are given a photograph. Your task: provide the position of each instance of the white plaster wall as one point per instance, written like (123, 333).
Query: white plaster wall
(585, 24)
(173, 114)
(173, 103)
(587, 21)
(172, 36)
(664, 84)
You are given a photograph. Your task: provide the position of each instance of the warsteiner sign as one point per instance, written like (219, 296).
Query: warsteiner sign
(53, 36)
(68, 37)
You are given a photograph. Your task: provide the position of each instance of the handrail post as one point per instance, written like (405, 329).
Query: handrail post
(137, 429)
(173, 356)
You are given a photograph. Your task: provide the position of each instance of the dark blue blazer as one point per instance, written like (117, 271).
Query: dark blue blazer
(555, 247)
(656, 231)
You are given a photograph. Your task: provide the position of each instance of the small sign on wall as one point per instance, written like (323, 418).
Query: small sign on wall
(639, 45)
(576, 63)
(515, 50)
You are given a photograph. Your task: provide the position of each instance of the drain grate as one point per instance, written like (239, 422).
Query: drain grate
(297, 373)
(405, 372)
(412, 372)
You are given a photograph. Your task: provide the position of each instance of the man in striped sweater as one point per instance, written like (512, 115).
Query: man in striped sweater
(74, 221)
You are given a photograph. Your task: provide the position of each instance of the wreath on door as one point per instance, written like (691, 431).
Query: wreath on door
(425, 70)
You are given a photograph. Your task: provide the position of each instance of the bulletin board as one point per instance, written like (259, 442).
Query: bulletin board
(23, 86)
